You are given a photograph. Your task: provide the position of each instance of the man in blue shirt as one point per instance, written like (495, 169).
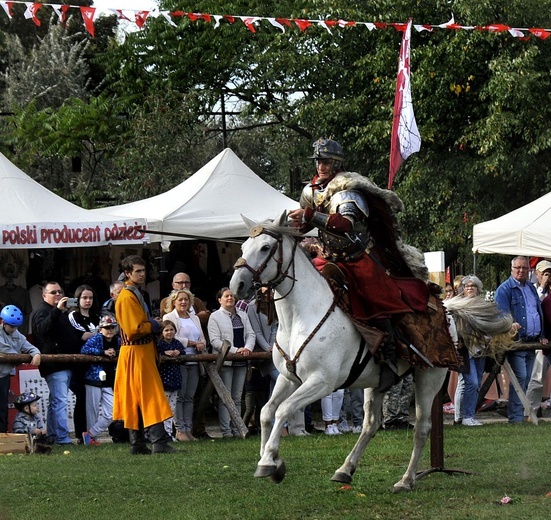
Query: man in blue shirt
(519, 297)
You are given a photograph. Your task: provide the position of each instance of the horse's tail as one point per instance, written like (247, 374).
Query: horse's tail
(481, 324)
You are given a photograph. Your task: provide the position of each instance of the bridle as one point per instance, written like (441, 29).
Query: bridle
(277, 249)
(270, 285)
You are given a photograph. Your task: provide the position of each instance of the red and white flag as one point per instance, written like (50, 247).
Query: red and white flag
(405, 138)
(88, 15)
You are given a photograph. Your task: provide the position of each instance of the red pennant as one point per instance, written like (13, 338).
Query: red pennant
(302, 24)
(400, 27)
(64, 10)
(380, 25)
(199, 16)
(88, 18)
(229, 18)
(249, 23)
(33, 10)
(284, 21)
(121, 15)
(497, 27)
(141, 18)
(9, 11)
(178, 14)
(540, 33)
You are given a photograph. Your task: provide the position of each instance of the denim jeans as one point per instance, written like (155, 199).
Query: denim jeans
(184, 403)
(471, 385)
(233, 378)
(522, 362)
(56, 423)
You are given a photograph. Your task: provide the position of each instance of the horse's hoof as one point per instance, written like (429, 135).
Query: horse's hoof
(344, 478)
(401, 488)
(279, 474)
(265, 471)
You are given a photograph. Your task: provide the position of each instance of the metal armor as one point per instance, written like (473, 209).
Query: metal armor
(348, 203)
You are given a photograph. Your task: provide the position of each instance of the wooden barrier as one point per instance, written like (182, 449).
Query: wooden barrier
(14, 443)
(18, 359)
(211, 362)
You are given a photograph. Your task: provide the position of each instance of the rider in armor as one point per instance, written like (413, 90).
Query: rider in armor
(362, 245)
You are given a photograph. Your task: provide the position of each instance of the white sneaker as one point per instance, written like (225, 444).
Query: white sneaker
(330, 431)
(343, 427)
(471, 421)
(357, 429)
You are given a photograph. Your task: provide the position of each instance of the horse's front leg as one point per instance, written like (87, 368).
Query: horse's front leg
(269, 460)
(270, 465)
(372, 420)
(428, 383)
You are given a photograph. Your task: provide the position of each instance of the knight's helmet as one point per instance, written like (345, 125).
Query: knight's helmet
(329, 149)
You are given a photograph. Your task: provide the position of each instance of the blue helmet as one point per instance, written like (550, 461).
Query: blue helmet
(25, 398)
(12, 315)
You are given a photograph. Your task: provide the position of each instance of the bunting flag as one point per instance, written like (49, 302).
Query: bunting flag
(252, 23)
(88, 18)
(7, 6)
(31, 12)
(61, 12)
(405, 138)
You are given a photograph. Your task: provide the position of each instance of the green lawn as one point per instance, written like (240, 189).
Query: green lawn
(214, 480)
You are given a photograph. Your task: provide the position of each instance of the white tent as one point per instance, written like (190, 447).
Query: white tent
(524, 231)
(33, 217)
(209, 204)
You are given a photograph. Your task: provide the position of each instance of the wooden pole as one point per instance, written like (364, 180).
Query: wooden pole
(17, 359)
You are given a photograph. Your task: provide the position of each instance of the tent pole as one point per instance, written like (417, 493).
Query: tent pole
(474, 264)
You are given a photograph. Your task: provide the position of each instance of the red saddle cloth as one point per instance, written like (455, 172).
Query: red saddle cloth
(422, 323)
(373, 293)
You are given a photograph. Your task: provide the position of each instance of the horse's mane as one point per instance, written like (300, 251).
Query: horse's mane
(282, 227)
(481, 324)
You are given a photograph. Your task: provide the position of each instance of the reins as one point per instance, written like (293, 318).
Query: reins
(291, 364)
(280, 277)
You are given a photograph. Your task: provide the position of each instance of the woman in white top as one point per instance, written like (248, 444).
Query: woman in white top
(190, 334)
(231, 324)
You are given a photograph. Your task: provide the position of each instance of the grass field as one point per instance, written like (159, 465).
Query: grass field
(214, 480)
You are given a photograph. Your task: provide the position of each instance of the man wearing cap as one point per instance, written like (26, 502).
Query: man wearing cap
(543, 276)
(534, 393)
(519, 297)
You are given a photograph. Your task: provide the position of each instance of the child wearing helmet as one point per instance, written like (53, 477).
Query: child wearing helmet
(28, 420)
(11, 342)
(99, 379)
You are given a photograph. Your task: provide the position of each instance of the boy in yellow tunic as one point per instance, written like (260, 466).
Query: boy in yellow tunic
(139, 398)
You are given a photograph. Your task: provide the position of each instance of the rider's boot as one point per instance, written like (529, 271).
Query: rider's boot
(388, 376)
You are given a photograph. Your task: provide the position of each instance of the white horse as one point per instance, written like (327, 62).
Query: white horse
(316, 346)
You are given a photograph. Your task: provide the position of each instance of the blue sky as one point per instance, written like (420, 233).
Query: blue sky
(138, 5)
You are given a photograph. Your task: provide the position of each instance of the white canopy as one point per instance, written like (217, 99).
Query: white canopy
(524, 231)
(33, 217)
(209, 204)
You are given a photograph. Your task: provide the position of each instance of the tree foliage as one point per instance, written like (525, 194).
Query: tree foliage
(480, 99)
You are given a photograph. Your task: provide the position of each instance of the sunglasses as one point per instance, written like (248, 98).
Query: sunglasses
(55, 292)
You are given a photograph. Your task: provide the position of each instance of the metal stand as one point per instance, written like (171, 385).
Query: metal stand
(437, 441)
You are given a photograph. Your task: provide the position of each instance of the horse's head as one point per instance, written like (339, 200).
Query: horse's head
(264, 261)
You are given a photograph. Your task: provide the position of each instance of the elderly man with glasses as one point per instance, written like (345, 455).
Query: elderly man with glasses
(51, 330)
(518, 296)
(183, 281)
